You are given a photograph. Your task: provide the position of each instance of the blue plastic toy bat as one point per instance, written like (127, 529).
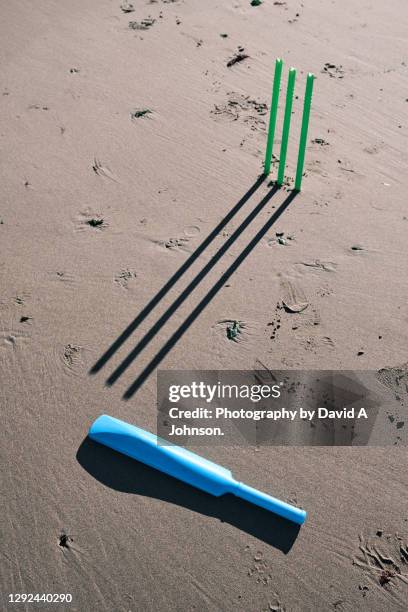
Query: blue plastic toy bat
(184, 465)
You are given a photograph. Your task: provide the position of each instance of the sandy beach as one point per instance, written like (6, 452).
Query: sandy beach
(132, 144)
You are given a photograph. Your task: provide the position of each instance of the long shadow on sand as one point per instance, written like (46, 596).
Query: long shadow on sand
(166, 348)
(123, 474)
(156, 327)
(121, 339)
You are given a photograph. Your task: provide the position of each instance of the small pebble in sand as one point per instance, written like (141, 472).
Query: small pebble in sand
(95, 222)
(64, 540)
(140, 112)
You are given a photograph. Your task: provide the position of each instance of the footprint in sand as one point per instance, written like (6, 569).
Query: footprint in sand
(294, 299)
(191, 231)
(242, 108)
(125, 278)
(295, 302)
(127, 7)
(172, 244)
(318, 268)
(295, 312)
(324, 291)
(333, 71)
(261, 571)
(72, 359)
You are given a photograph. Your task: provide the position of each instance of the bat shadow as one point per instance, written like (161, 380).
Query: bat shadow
(124, 474)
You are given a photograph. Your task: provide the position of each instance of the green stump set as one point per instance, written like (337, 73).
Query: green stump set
(286, 124)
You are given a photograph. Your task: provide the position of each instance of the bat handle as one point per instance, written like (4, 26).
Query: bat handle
(291, 513)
